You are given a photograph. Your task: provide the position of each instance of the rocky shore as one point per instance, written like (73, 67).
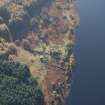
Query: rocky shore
(58, 78)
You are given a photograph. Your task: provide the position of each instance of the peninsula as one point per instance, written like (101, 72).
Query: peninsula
(39, 35)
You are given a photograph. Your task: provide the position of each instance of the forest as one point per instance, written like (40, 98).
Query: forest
(17, 87)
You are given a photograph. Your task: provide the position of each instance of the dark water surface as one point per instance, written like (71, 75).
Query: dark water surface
(89, 78)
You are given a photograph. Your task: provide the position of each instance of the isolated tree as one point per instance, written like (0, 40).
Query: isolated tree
(4, 13)
(4, 31)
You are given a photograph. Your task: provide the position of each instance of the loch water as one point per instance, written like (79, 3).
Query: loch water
(88, 87)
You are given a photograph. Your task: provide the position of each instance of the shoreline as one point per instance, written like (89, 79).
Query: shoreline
(69, 36)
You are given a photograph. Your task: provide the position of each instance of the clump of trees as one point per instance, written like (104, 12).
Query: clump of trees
(18, 23)
(12, 50)
(17, 87)
(26, 44)
(18, 15)
(4, 13)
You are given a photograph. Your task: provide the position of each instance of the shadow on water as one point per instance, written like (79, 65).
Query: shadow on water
(88, 86)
